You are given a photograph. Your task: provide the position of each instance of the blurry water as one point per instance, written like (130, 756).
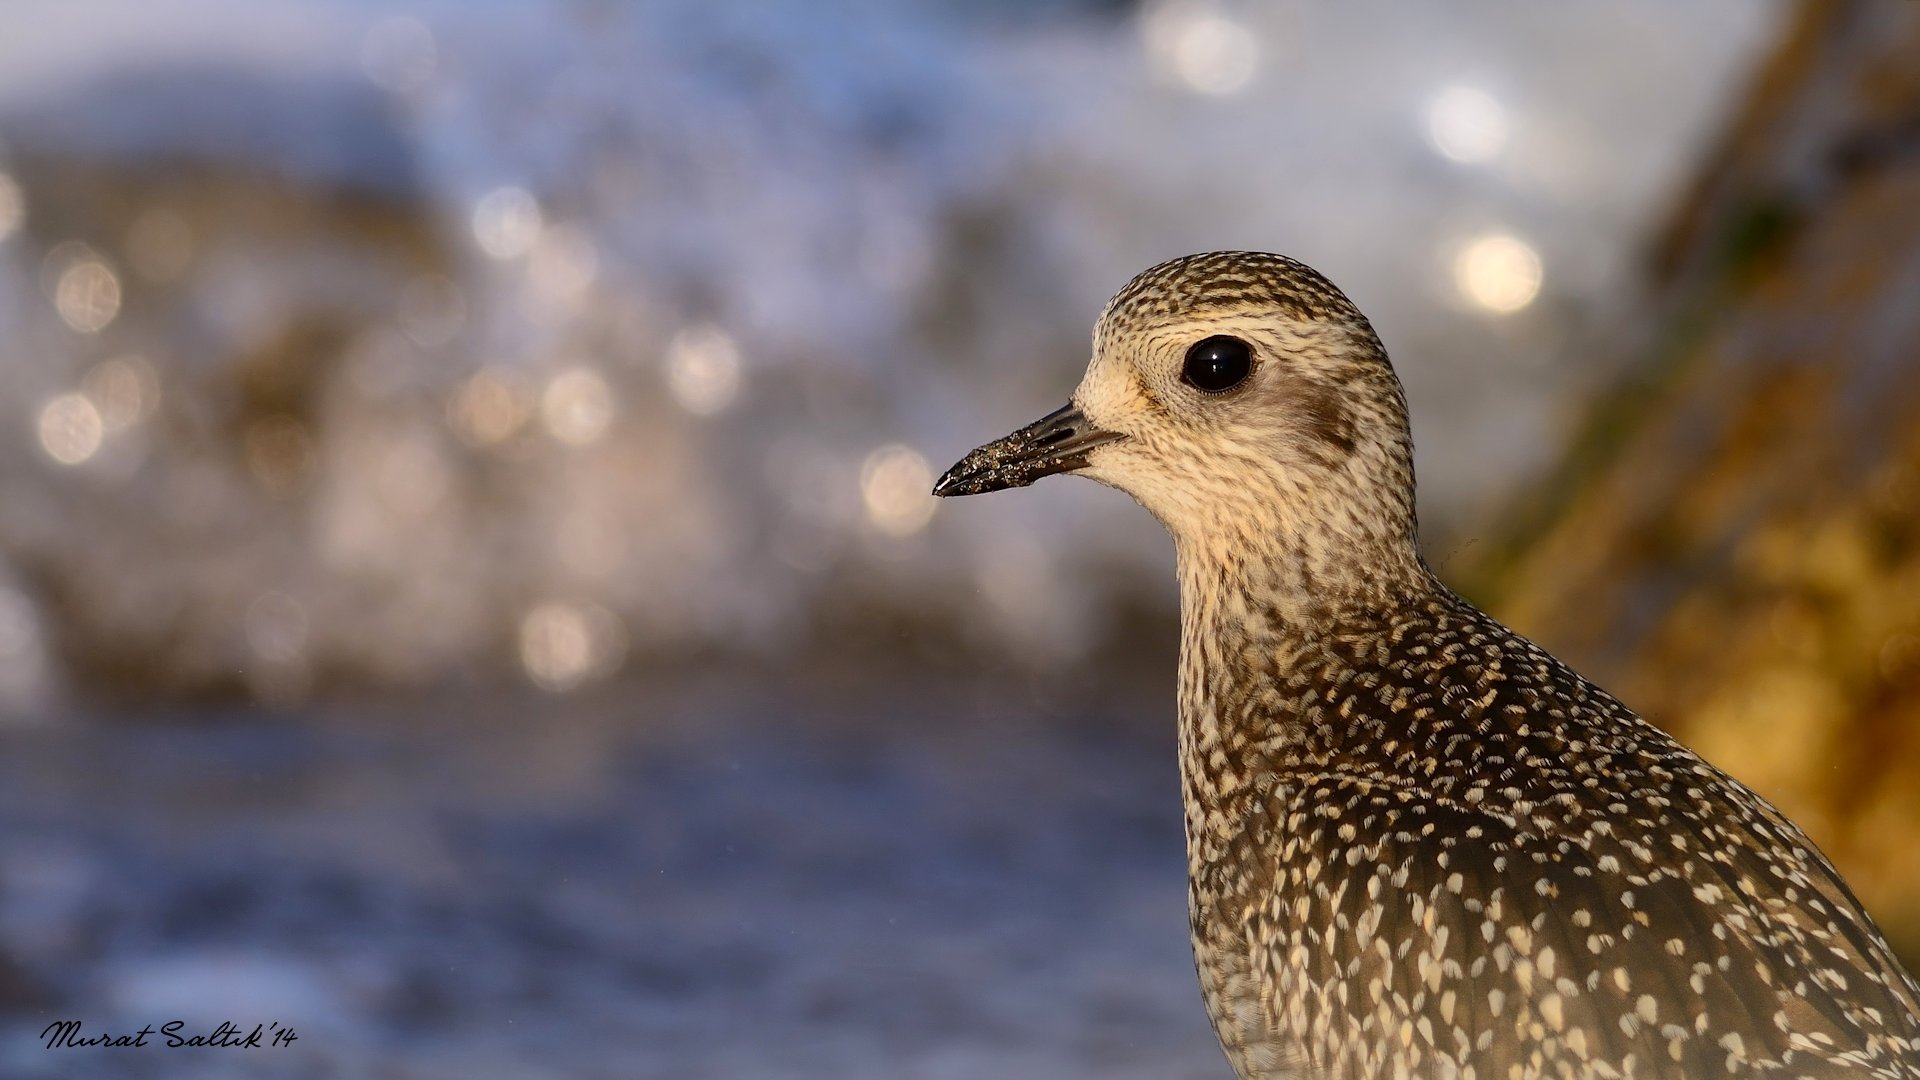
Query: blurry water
(707, 884)
(383, 343)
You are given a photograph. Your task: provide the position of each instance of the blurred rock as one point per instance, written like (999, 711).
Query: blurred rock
(1734, 543)
(253, 233)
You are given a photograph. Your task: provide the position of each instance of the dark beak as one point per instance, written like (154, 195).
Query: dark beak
(1057, 442)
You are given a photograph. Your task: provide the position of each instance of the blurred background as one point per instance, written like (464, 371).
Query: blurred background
(467, 584)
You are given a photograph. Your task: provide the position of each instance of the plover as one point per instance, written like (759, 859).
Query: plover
(1418, 845)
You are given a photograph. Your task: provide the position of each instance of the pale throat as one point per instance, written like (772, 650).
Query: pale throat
(1303, 566)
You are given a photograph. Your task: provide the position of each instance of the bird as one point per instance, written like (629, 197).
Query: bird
(1418, 844)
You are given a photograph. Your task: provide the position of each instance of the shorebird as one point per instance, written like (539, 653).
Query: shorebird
(1418, 845)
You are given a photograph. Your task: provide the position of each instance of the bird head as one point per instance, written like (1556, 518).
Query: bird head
(1243, 400)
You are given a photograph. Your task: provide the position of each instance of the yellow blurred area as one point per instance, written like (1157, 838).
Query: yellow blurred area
(1737, 552)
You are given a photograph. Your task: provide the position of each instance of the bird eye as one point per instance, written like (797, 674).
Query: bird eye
(1217, 364)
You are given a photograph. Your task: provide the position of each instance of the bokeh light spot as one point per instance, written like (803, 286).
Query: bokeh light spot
(703, 370)
(1467, 125)
(1201, 47)
(1498, 273)
(895, 484)
(125, 390)
(88, 295)
(487, 410)
(577, 407)
(563, 645)
(70, 429)
(506, 222)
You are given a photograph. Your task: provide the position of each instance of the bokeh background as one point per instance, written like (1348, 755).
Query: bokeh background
(467, 584)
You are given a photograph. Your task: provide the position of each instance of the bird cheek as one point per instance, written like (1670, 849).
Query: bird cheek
(1135, 470)
(1111, 465)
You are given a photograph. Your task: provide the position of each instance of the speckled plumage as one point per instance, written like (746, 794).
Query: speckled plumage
(1420, 846)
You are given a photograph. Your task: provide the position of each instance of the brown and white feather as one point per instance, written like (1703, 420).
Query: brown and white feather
(1420, 846)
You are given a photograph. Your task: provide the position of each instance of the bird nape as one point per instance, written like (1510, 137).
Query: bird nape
(1419, 845)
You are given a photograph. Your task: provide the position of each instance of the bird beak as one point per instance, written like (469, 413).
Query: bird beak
(1057, 442)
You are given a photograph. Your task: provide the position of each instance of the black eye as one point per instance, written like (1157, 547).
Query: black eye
(1217, 364)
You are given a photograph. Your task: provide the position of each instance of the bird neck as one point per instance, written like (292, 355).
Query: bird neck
(1255, 617)
(1297, 581)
